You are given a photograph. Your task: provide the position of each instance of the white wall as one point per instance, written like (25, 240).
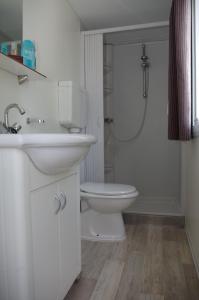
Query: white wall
(55, 28)
(56, 31)
(151, 163)
(39, 99)
(192, 196)
(9, 91)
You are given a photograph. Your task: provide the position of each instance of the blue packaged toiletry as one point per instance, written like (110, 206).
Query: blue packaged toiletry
(28, 54)
(5, 48)
(15, 48)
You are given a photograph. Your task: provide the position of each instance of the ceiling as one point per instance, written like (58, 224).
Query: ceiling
(96, 14)
(147, 35)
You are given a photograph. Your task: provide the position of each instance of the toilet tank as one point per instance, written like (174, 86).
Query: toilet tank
(72, 106)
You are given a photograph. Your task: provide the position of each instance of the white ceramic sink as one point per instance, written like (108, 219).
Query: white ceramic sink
(50, 153)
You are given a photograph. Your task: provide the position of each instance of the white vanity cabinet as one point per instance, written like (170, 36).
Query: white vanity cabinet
(45, 240)
(70, 244)
(56, 238)
(40, 255)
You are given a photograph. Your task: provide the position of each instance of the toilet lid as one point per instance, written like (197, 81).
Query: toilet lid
(110, 189)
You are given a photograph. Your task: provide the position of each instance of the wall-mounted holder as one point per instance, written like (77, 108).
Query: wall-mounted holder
(34, 121)
(22, 78)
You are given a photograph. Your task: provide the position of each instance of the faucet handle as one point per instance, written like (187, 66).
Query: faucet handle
(15, 128)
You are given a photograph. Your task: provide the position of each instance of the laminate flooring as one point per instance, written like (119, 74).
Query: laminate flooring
(153, 263)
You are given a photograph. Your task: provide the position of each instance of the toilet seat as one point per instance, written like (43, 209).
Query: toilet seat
(107, 189)
(115, 197)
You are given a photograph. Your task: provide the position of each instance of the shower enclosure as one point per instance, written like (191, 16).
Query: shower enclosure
(131, 112)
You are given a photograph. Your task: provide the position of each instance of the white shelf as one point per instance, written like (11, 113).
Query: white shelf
(12, 66)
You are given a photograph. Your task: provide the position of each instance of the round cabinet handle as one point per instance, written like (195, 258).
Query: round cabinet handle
(63, 200)
(57, 204)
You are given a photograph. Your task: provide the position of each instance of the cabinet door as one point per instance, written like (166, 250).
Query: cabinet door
(70, 242)
(45, 243)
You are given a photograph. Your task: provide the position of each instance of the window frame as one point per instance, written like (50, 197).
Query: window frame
(195, 70)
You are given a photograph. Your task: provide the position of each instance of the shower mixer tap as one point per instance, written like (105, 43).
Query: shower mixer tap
(108, 120)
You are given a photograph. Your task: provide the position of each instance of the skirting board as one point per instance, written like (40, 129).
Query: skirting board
(156, 206)
(193, 253)
(131, 218)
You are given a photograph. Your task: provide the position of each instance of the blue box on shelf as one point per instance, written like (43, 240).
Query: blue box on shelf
(28, 54)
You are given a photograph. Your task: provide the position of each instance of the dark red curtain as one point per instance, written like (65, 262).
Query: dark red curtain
(180, 71)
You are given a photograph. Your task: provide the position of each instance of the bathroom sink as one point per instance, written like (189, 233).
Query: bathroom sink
(50, 153)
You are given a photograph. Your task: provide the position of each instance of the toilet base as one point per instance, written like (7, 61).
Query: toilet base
(102, 227)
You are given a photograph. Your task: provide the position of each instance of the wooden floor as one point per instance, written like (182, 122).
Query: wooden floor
(153, 263)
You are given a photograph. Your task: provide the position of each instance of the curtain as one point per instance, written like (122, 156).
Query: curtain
(180, 72)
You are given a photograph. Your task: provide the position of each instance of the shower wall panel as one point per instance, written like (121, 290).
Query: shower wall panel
(151, 162)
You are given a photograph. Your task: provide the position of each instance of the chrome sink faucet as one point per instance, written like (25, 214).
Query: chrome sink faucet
(15, 128)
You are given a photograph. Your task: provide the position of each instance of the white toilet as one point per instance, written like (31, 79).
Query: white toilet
(101, 210)
(101, 203)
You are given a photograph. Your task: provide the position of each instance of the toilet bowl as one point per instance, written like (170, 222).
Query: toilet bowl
(101, 210)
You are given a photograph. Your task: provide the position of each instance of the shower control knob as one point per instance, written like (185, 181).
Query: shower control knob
(108, 120)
